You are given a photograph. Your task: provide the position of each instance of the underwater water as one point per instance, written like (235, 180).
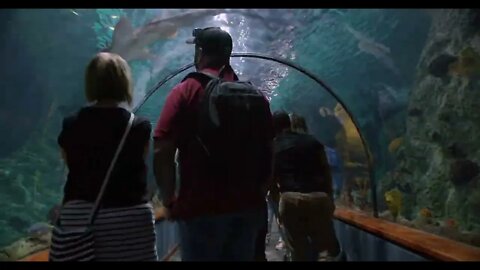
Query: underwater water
(409, 77)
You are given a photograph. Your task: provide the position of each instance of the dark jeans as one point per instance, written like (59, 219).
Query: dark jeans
(274, 207)
(229, 237)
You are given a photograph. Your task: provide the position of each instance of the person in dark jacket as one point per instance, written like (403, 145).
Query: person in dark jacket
(302, 174)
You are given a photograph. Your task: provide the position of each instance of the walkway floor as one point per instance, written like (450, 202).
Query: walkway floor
(270, 251)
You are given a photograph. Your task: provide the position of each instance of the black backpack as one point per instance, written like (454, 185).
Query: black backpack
(233, 123)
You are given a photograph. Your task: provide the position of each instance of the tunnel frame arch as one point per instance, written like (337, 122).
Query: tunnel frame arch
(305, 72)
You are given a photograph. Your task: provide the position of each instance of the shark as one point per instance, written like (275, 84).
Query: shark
(132, 44)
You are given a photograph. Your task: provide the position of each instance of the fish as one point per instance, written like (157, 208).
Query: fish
(131, 44)
(450, 224)
(379, 51)
(74, 11)
(393, 198)
(424, 217)
(395, 144)
(425, 213)
(366, 40)
(380, 54)
(38, 229)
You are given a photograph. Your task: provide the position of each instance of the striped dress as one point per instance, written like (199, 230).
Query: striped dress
(121, 234)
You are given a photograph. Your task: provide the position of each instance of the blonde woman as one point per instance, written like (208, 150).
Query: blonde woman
(124, 226)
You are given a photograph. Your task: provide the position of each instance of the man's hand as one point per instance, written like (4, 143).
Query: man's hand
(164, 169)
(162, 213)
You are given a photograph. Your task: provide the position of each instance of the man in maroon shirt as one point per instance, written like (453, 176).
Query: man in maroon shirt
(219, 212)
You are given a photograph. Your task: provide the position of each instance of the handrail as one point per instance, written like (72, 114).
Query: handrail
(429, 245)
(171, 253)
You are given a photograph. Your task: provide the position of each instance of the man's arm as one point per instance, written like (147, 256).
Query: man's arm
(164, 145)
(164, 169)
(269, 163)
(269, 157)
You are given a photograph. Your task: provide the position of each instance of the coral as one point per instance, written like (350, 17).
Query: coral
(440, 154)
(23, 248)
(468, 64)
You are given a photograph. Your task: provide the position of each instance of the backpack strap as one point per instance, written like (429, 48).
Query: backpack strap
(202, 77)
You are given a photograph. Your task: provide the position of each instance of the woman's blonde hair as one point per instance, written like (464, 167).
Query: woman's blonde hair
(298, 123)
(108, 77)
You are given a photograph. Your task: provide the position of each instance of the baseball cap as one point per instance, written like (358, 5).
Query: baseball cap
(212, 39)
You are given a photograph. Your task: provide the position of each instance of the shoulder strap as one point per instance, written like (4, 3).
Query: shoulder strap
(110, 169)
(202, 77)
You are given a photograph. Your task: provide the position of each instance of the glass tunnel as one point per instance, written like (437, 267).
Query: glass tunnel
(393, 91)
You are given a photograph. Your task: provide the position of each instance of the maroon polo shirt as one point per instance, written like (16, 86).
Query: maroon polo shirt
(198, 194)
